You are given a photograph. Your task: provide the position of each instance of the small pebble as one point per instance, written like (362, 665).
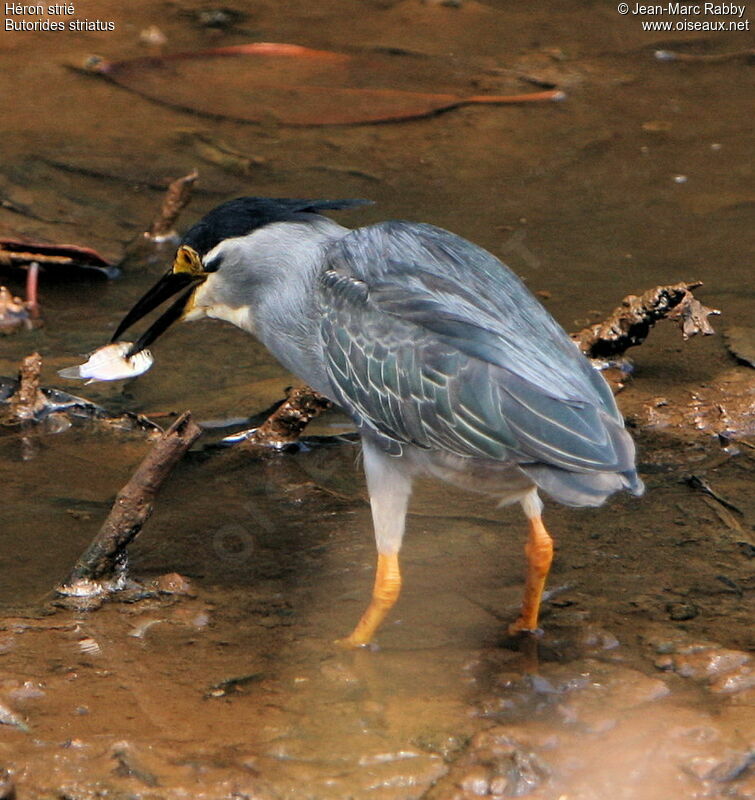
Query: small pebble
(173, 583)
(740, 680)
(153, 37)
(682, 611)
(657, 126)
(476, 782)
(29, 691)
(7, 785)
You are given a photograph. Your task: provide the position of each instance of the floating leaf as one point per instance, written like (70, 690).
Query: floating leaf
(54, 258)
(299, 86)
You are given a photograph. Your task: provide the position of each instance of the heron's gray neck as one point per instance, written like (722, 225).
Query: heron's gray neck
(289, 259)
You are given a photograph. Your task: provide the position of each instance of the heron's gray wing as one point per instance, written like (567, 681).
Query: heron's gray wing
(497, 317)
(416, 352)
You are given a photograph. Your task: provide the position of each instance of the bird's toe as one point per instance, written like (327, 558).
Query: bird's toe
(522, 626)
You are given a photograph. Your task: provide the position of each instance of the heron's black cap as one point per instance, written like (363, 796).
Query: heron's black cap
(245, 214)
(229, 220)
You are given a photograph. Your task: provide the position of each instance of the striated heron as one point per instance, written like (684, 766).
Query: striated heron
(447, 364)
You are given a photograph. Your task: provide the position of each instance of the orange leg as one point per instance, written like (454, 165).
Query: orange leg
(539, 552)
(384, 596)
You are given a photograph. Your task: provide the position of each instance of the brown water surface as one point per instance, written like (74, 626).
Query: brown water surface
(642, 686)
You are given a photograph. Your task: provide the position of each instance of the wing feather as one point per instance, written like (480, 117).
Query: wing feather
(431, 341)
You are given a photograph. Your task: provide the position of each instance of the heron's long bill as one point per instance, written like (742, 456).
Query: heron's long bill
(177, 279)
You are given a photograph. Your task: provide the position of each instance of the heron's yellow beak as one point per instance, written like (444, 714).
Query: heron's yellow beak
(188, 262)
(185, 274)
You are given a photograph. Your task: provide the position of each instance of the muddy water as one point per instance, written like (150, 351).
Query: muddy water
(642, 685)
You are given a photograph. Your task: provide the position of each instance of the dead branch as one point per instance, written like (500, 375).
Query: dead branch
(629, 324)
(152, 247)
(176, 198)
(28, 399)
(286, 423)
(14, 313)
(17, 253)
(133, 505)
(705, 58)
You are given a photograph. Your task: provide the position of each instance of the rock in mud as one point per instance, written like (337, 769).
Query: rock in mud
(702, 662)
(8, 717)
(130, 765)
(724, 671)
(680, 612)
(721, 770)
(14, 315)
(7, 786)
(741, 344)
(173, 583)
(503, 770)
(725, 406)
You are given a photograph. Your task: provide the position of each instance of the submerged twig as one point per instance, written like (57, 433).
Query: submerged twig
(231, 685)
(28, 400)
(14, 313)
(14, 252)
(133, 506)
(701, 485)
(723, 513)
(129, 765)
(220, 154)
(153, 245)
(629, 324)
(286, 423)
(176, 198)
(705, 58)
(291, 103)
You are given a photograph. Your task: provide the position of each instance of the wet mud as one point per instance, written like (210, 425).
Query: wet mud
(221, 678)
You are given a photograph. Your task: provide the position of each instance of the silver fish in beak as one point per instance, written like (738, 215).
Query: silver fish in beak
(121, 360)
(110, 363)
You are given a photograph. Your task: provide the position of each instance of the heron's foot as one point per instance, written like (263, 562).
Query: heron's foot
(524, 626)
(539, 552)
(353, 642)
(384, 596)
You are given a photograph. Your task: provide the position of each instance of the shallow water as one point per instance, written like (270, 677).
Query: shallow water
(641, 177)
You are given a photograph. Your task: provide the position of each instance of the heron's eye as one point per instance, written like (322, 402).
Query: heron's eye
(212, 265)
(188, 262)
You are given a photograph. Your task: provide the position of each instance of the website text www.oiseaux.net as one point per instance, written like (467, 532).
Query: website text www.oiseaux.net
(719, 16)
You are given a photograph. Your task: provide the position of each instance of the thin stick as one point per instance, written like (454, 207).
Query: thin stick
(152, 247)
(704, 58)
(32, 295)
(11, 258)
(28, 400)
(134, 503)
(176, 198)
(287, 422)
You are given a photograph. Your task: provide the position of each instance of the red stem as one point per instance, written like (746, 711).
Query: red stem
(32, 297)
